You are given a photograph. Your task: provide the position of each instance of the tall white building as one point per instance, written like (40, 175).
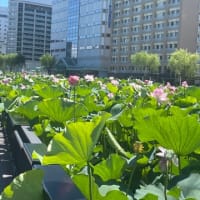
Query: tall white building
(29, 29)
(3, 29)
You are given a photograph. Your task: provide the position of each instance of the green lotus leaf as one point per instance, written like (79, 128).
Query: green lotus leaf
(92, 106)
(103, 193)
(77, 144)
(82, 182)
(111, 168)
(113, 192)
(48, 91)
(186, 102)
(152, 192)
(193, 91)
(59, 111)
(83, 90)
(190, 186)
(177, 132)
(28, 109)
(26, 185)
(1, 107)
(112, 88)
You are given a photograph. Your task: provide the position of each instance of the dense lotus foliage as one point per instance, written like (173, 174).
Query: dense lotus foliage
(117, 139)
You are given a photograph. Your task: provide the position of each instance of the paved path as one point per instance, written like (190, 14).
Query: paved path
(6, 162)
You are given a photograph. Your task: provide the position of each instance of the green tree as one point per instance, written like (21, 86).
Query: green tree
(48, 62)
(148, 62)
(184, 64)
(2, 62)
(20, 60)
(11, 60)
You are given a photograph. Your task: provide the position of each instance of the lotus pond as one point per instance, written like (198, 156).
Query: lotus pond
(116, 139)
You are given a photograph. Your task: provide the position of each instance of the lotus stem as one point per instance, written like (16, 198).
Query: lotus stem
(131, 177)
(74, 103)
(166, 181)
(179, 164)
(90, 180)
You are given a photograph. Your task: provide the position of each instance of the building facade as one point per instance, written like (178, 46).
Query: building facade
(95, 34)
(29, 29)
(156, 26)
(59, 28)
(3, 29)
(83, 37)
(64, 31)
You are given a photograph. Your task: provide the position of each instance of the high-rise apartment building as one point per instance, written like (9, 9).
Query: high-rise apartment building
(156, 26)
(29, 29)
(3, 29)
(81, 32)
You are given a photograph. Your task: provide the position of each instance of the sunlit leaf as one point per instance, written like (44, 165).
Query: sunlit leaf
(77, 144)
(185, 102)
(59, 111)
(28, 109)
(49, 91)
(152, 192)
(26, 185)
(111, 168)
(82, 182)
(103, 193)
(179, 133)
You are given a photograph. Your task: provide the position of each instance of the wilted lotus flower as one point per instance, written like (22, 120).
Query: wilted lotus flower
(6, 80)
(184, 84)
(22, 87)
(148, 82)
(73, 80)
(138, 147)
(171, 88)
(167, 156)
(103, 87)
(136, 86)
(89, 78)
(110, 95)
(115, 82)
(160, 95)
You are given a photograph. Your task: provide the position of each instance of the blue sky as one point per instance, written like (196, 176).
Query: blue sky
(4, 3)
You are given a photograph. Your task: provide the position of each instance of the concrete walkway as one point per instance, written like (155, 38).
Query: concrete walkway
(6, 162)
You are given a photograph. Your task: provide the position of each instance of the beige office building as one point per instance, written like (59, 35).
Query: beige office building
(155, 26)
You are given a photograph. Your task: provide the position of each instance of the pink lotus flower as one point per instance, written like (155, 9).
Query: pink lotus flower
(185, 84)
(73, 80)
(160, 95)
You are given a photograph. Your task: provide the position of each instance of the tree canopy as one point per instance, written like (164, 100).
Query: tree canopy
(183, 63)
(47, 61)
(148, 62)
(11, 61)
